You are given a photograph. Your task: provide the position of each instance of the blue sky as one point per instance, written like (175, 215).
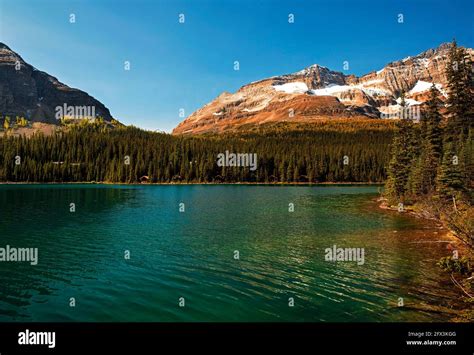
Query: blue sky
(187, 65)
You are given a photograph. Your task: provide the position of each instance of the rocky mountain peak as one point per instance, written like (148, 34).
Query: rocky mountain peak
(34, 94)
(317, 92)
(4, 46)
(9, 57)
(319, 76)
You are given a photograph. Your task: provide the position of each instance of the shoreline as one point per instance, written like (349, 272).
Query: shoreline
(382, 204)
(194, 183)
(453, 242)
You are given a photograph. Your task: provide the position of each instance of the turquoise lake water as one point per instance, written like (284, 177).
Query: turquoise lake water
(191, 255)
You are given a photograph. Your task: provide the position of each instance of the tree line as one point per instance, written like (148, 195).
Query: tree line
(347, 151)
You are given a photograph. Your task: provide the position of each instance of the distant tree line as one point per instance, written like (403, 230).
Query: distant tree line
(350, 151)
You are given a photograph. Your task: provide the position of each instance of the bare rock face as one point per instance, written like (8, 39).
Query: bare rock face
(33, 94)
(320, 93)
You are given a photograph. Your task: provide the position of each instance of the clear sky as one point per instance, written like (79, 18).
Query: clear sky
(187, 65)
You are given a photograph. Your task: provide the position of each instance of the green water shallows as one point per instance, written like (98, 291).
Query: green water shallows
(191, 255)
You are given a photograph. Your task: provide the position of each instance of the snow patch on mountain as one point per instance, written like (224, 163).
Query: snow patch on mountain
(334, 89)
(408, 102)
(292, 88)
(421, 86)
(330, 90)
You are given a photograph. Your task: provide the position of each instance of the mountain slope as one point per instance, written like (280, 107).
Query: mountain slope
(317, 92)
(34, 94)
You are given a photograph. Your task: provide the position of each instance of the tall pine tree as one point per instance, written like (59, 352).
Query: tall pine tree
(452, 179)
(401, 157)
(429, 159)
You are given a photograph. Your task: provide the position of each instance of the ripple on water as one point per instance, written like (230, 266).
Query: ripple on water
(191, 255)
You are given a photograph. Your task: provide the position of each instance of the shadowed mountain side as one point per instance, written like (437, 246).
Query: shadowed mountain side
(33, 94)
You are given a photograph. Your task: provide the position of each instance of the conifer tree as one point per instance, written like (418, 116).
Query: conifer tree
(401, 158)
(452, 179)
(425, 173)
(459, 73)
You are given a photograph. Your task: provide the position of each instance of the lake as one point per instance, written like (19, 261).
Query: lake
(215, 253)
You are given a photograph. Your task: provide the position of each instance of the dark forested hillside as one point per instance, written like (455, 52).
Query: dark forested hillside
(347, 151)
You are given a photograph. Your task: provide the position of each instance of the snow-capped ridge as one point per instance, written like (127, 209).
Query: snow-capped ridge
(310, 68)
(317, 92)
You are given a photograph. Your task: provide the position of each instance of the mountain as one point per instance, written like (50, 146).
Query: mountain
(33, 94)
(318, 93)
